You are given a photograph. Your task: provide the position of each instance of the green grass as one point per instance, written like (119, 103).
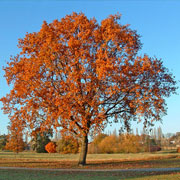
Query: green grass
(159, 177)
(56, 175)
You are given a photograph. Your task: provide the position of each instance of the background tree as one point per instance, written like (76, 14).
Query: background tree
(80, 75)
(3, 141)
(40, 140)
(159, 136)
(15, 139)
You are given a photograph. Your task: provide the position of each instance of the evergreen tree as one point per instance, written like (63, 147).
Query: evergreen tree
(40, 140)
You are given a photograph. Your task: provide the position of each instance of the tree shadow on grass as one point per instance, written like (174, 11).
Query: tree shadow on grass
(169, 152)
(38, 164)
(94, 164)
(171, 162)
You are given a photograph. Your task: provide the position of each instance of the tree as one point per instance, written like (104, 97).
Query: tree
(80, 75)
(15, 139)
(3, 141)
(159, 135)
(40, 140)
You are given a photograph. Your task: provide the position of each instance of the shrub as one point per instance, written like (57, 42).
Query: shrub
(94, 146)
(50, 147)
(129, 143)
(67, 145)
(178, 149)
(108, 144)
(125, 143)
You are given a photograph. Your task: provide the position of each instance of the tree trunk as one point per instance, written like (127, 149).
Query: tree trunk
(84, 149)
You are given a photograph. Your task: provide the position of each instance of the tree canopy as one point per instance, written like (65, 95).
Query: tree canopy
(80, 75)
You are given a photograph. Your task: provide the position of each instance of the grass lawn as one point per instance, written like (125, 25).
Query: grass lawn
(55, 175)
(94, 161)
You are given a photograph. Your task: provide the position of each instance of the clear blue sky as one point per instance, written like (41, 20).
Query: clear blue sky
(158, 23)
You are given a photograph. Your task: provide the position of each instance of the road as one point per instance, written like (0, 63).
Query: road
(99, 170)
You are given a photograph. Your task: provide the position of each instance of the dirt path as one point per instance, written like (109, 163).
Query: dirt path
(97, 170)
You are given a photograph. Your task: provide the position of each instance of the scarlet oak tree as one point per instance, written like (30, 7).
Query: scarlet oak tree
(80, 75)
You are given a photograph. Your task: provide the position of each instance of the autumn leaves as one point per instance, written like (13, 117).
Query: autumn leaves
(77, 74)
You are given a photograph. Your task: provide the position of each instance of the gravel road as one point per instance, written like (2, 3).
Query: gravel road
(98, 170)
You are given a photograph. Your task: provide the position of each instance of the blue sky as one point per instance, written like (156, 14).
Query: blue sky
(156, 21)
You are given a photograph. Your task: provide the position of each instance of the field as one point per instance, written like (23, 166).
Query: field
(94, 161)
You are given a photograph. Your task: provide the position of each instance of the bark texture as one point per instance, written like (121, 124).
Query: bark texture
(84, 149)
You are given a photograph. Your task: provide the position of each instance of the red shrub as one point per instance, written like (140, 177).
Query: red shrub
(51, 147)
(178, 149)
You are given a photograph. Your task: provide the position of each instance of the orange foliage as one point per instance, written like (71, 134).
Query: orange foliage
(15, 140)
(94, 146)
(178, 149)
(67, 145)
(129, 143)
(51, 147)
(124, 143)
(76, 74)
(109, 144)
